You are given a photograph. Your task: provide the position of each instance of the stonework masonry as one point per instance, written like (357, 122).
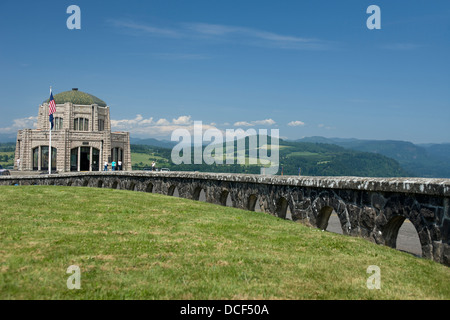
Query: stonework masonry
(81, 138)
(371, 208)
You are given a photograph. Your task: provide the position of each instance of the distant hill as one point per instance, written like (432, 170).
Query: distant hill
(318, 156)
(440, 151)
(315, 159)
(153, 142)
(428, 160)
(8, 137)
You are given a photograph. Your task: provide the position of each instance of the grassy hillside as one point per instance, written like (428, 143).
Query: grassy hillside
(133, 245)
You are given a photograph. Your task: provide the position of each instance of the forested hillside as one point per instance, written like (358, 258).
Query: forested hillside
(296, 158)
(427, 160)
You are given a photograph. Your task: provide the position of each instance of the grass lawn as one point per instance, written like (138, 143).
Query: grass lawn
(134, 245)
(147, 159)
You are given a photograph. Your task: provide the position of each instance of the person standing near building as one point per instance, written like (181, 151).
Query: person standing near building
(113, 166)
(105, 166)
(153, 166)
(120, 165)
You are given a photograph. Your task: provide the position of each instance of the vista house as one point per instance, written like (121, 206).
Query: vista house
(81, 137)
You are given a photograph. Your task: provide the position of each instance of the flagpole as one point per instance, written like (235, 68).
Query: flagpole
(50, 143)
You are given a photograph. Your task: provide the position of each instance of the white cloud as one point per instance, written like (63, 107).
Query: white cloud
(19, 124)
(162, 122)
(206, 31)
(182, 120)
(155, 128)
(296, 123)
(243, 124)
(129, 25)
(217, 30)
(126, 123)
(266, 122)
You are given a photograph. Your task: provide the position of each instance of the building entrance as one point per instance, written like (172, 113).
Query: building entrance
(84, 159)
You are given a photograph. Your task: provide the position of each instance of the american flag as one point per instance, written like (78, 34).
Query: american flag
(51, 109)
(51, 105)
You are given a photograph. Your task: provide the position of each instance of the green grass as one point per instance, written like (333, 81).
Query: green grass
(147, 159)
(134, 245)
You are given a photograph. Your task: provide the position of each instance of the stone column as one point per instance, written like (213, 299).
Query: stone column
(79, 158)
(39, 158)
(90, 158)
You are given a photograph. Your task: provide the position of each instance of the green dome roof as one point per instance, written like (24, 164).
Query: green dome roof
(77, 97)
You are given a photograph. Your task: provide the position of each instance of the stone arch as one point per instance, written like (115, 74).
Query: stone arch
(251, 202)
(408, 238)
(289, 213)
(391, 232)
(173, 191)
(132, 186)
(282, 206)
(100, 184)
(334, 223)
(225, 197)
(324, 206)
(69, 183)
(202, 196)
(197, 192)
(323, 217)
(115, 185)
(85, 183)
(149, 187)
(401, 207)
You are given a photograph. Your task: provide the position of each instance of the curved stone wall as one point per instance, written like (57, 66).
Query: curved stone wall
(372, 208)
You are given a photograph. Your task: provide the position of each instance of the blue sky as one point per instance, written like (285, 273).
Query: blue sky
(303, 67)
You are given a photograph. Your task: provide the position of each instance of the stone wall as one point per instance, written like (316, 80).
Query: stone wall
(372, 208)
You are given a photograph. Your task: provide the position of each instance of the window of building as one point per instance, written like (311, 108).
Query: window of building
(116, 154)
(41, 158)
(101, 125)
(58, 123)
(81, 124)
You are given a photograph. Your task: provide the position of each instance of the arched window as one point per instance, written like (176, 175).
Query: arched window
(41, 158)
(81, 124)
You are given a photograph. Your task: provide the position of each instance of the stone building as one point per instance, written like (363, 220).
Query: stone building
(81, 137)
